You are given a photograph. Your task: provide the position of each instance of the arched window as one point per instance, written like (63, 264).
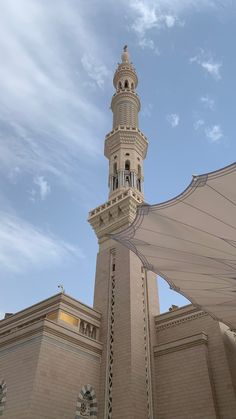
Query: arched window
(139, 178)
(3, 396)
(127, 165)
(115, 168)
(127, 181)
(119, 85)
(126, 84)
(132, 86)
(87, 403)
(139, 170)
(139, 185)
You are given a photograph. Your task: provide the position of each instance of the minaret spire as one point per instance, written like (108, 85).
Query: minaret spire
(125, 55)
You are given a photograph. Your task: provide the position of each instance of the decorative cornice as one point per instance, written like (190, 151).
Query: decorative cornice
(60, 303)
(180, 344)
(125, 94)
(115, 214)
(177, 317)
(115, 200)
(124, 70)
(127, 136)
(48, 327)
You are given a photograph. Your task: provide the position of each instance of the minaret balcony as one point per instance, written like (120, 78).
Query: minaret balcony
(125, 136)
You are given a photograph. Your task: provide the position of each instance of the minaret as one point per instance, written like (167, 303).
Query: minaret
(125, 293)
(125, 145)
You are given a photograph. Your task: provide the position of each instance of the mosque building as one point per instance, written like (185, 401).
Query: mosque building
(120, 359)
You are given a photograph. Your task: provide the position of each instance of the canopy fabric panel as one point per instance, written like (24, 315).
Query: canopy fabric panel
(191, 242)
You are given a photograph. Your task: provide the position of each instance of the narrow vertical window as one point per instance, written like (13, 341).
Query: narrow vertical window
(127, 165)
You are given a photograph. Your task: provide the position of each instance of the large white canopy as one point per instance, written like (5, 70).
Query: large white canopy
(191, 242)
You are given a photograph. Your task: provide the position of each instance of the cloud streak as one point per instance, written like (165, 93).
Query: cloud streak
(150, 15)
(45, 109)
(208, 102)
(206, 62)
(24, 247)
(214, 133)
(173, 119)
(43, 185)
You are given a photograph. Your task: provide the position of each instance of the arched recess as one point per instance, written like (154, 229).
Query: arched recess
(139, 178)
(127, 165)
(87, 405)
(126, 84)
(3, 396)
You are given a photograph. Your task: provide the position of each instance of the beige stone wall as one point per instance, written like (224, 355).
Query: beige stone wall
(62, 371)
(194, 377)
(18, 365)
(44, 376)
(229, 339)
(183, 385)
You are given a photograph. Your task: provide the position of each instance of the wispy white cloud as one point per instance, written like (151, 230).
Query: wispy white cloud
(213, 68)
(45, 112)
(214, 133)
(95, 70)
(149, 15)
(199, 123)
(208, 102)
(147, 110)
(43, 185)
(173, 119)
(205, 60)
(23, 247)
(149, 44)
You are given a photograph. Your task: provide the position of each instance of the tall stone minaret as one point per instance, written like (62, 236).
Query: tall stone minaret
(125, 293)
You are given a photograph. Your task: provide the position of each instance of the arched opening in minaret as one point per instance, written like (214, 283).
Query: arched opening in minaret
(132, 86)
(139, 178)
(126, 84)
(127, 165)
(127, 181)
(119, 85)
(139, 170)
(115, 177)
(115, 183)
(139, 185)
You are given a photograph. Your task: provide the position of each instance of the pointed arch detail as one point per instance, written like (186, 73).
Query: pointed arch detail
(87, 405)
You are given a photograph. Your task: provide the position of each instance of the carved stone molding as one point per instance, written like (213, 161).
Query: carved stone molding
(178, 317)
(180, 344)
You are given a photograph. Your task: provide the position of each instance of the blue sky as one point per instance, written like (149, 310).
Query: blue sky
(57, 64)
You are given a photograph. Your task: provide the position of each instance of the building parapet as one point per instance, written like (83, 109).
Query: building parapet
(176, 317)
(60, 309)
(114, 201)
(126, 128)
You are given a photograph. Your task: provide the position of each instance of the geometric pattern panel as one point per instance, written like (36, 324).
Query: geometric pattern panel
(3, 396)
(87, 405)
